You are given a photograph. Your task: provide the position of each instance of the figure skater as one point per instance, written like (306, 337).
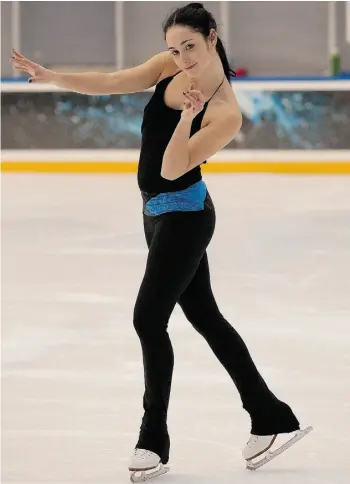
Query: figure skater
(192, 114)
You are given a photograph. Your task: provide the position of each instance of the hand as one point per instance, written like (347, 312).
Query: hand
(37, 72)
(194, 103)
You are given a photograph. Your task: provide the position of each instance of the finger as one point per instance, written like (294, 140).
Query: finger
(191, 86)
(18, 54)
(30, 64)
(20, 67)
(195, 104)
(36, 79)
(18, 63)
(190, 98)
(20, 58)
(191, 95)
(197, 94)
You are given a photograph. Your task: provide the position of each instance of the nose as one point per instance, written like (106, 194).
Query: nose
(186, 60)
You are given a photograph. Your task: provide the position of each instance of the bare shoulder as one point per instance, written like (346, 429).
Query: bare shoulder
(141, 77)
(169, 66)
(223, 108)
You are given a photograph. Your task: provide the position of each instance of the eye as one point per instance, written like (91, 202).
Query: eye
(188, 47)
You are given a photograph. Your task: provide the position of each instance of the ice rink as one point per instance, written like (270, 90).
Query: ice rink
(73, 255)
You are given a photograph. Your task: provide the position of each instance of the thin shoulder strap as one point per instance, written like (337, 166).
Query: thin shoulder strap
(166, 80)
(216, 90)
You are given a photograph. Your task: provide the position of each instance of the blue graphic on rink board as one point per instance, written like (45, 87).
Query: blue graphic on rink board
(271, 120)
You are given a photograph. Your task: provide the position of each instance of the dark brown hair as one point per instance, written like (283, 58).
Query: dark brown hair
(196, 17)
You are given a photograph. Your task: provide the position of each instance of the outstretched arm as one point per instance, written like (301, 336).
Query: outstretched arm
(139, 78)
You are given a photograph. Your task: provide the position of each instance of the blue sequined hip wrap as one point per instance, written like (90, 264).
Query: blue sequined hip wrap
(189, 200)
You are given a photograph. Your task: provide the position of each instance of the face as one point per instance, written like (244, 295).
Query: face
(191, 52)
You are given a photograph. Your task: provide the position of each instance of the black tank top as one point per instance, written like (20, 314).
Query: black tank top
(158, 125)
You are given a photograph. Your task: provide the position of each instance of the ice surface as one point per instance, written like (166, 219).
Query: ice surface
(73, 255)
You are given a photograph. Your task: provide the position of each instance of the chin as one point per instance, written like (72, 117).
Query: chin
(192, 73)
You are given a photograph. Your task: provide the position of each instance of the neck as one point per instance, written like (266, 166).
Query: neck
(211, 78)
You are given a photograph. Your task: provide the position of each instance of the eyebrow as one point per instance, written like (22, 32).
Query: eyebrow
(181, 43)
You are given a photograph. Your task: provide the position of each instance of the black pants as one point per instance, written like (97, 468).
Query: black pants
(177, 272)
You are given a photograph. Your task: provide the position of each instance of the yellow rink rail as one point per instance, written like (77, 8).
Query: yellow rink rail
(283, 167)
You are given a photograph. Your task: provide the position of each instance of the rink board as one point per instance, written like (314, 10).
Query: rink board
(296, 127)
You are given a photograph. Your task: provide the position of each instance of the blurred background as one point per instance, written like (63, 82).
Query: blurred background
(266, 38)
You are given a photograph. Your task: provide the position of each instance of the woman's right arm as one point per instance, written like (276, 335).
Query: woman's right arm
(139, 78)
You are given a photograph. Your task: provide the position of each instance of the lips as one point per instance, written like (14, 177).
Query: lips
(188, 68)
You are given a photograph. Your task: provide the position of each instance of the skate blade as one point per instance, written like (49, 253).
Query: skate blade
(142, 476)
(252, 466)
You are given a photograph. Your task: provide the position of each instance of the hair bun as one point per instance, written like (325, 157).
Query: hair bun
(196, 6)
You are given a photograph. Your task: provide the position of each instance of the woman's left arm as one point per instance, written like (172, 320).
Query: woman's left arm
(184, 153)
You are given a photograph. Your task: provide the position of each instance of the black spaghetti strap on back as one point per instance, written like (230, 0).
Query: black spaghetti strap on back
(216, 89)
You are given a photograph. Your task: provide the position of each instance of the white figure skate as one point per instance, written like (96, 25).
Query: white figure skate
(259, 445)
(145, 465)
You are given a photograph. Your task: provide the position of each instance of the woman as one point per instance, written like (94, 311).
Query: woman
(191, 115)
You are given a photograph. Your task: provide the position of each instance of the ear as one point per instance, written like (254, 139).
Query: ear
(213, 37)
